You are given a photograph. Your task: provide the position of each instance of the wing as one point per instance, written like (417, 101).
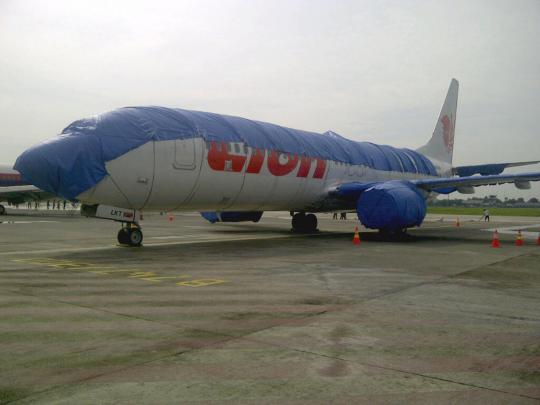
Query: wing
(445, 185)
(448, 185)
(19, 194)
(489, 168)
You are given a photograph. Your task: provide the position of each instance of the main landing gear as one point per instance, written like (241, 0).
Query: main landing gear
(303, 223)
(2, 210)
(130, 235)
(393, 234)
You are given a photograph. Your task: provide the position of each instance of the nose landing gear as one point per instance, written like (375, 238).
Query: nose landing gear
(130, 235)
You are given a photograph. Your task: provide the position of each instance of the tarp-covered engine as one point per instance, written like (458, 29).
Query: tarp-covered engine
(391, 206)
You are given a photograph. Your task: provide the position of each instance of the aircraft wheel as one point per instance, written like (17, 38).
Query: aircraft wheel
(310, 223)
(393, 234)
(135, 237)
(123, 236)
(297, 221)
(304, 223)
(130, 236)
(2, 210)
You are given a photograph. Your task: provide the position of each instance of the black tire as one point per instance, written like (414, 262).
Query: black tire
(2, 210)
(123, 236)
(393, 234)
(304, 223)
(297, 222)
(310, 223)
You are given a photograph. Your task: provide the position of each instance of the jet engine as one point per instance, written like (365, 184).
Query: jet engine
(238, 216)
(391, 206)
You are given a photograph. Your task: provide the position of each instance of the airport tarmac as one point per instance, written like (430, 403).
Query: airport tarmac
(251, 313)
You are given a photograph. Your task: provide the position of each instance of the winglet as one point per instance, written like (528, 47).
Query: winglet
(441, 144)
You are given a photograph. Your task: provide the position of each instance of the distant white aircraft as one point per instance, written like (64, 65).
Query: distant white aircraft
(233, 169)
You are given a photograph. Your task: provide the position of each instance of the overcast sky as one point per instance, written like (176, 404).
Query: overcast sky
(372, 71)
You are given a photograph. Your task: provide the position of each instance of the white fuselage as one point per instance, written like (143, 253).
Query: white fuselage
(185, 175)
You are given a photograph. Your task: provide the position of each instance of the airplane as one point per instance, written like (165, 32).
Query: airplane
(232, 169)
(15, 190)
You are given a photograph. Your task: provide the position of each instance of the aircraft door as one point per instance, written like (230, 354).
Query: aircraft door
(178, 164)
(184, 154)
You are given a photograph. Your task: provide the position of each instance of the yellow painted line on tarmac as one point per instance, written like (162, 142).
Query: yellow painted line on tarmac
(62, 250)
(62, 264)
(200, 283)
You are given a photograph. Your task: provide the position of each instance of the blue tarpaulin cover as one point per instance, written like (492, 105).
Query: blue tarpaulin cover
(391, 205)
(75, 161)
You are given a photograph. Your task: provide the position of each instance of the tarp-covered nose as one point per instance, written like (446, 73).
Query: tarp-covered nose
(65, 166)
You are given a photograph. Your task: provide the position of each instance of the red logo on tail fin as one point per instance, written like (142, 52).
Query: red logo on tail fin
(448, 133)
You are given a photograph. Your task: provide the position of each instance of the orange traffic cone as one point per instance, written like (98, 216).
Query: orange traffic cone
(495, 242)
(538, 239)
(171, 217)
(356, 238)
(519, 239)
(457, 222)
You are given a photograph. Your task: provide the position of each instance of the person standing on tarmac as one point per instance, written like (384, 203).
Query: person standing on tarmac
(485, 215)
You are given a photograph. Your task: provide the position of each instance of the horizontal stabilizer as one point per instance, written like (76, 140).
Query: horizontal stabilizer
(487, 169)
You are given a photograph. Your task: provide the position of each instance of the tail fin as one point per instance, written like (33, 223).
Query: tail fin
(441, 144)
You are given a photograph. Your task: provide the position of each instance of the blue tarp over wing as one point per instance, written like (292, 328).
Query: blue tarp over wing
(75, 161)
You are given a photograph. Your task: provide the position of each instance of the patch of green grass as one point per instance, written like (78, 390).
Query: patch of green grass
(8, 394)
(510, 212)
